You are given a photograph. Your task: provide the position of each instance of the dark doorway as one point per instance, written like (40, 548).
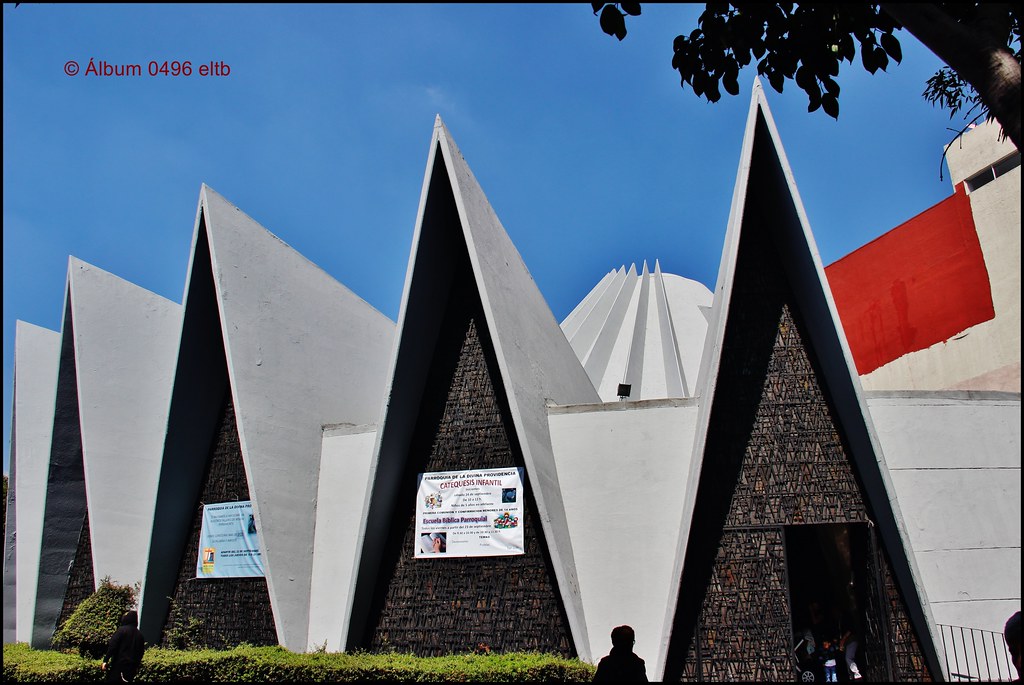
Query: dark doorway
(829, 583)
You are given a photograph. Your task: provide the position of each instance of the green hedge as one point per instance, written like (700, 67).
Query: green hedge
(93, 622)
(276, 664)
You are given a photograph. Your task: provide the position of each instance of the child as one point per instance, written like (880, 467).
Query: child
(829, 649)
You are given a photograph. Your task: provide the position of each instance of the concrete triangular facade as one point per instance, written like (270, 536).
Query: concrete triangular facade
(124, 357)
(775, 324)
(111, 410)
(465, 274)
(271, 338)
(36, 361)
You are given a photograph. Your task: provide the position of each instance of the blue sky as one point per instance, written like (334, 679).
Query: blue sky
(589, 151)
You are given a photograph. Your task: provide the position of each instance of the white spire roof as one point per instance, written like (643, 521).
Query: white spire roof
(645, 330)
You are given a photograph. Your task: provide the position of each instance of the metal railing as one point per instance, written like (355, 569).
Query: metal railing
(973, 655)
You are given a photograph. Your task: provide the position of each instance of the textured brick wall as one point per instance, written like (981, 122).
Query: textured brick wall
(437, 606)
(774, 457)
(231, 610)
(81, 580)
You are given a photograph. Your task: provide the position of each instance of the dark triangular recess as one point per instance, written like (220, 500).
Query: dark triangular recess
(439, 606)
(65, 511)
(775, 457)
(202, 463)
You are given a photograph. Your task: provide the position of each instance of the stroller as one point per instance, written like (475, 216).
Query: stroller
(808, 659)
(805, 663)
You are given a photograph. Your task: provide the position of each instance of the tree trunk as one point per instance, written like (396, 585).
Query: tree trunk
(979, 56)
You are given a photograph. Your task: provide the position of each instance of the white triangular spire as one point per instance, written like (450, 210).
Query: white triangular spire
(36, 362)
(125, 358)
(301, 351)
(767, 205)
(537, 365)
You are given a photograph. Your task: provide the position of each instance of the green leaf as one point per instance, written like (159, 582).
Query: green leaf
(867, 58)
(758, 49)
(813, 100)
(631, 8)
(597, 6)
(830, 104)
(891, 45)
(731, 85)
(699, 83)
(804, 77)
(776, 80)
(881, 59)
(729, 79)
(716, 8)
(785, 62)
(712, 92)
(613, 22)
(847, 50)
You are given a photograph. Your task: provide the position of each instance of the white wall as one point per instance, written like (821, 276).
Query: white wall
(954, 460)
(977, 149)
(36, 358)
(623, 468)
(344, 480)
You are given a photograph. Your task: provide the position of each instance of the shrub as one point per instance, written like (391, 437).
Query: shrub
(22, 664)
(276, 664)
(183, 632)
(94, 621)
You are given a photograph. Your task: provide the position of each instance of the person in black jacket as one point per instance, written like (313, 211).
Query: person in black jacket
(1011, 633)
(124, 652)
(621, 664)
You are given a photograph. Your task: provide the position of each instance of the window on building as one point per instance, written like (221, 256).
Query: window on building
(990, 173)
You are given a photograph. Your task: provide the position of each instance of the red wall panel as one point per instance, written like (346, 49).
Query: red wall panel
(921, 283)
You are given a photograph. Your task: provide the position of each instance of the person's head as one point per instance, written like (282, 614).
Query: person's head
(130, 619)
(623, 637)
(1011, 633)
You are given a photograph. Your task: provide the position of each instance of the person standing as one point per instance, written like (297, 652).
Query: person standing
(621, 664)
(848, 644)
(1011, 633)
(124, 651)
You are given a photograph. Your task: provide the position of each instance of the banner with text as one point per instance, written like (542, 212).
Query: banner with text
(228, 544)
(475, 513)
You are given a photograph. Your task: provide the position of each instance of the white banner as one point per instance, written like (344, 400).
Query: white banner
(475, 513)
(228, 544)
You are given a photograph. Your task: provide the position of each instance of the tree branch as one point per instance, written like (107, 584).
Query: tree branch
(975, 51)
